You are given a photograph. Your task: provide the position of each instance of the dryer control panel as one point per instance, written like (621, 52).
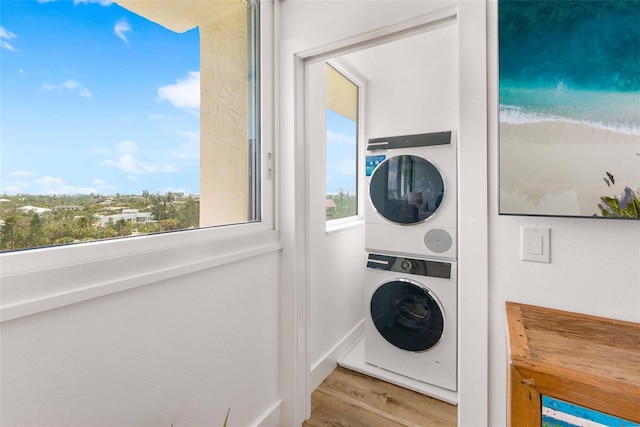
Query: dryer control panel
(419, 267)
(410, 141)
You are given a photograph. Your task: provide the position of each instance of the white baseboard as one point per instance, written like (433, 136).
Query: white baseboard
(322, 368)
(272, 416)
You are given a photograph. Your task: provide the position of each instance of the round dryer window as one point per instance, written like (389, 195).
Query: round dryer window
(406, 189)
(407, 315)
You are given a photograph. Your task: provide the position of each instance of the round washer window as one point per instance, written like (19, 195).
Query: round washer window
(407, 315)
(406, 189)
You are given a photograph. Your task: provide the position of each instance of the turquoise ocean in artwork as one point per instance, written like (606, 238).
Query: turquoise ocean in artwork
(569, 95)
(576, 61)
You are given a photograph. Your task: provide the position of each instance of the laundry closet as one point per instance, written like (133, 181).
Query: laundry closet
(408, 88)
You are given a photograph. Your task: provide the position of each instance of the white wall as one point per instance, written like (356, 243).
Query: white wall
(336, 259)
(425, 99)
(179, 352)
(595, 263)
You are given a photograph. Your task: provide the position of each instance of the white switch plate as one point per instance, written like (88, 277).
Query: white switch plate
(535, 244)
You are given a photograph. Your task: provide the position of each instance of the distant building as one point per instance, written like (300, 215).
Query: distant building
(68, 208)
(331, 206)
(106, 202)
(34, 209)
(129, 215)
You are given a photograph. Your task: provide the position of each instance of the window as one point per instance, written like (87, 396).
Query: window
(341, 145)
(101, 119)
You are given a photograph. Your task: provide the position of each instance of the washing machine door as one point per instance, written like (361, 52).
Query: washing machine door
(406, 189)
(407, 315)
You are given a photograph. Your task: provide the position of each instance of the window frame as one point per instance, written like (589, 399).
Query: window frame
(40, 279)
(337, 224)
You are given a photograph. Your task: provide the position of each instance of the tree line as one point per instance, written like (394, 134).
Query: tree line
(68, 219)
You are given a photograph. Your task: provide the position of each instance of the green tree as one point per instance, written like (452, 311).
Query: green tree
(169, 224)
(189, 214)
(35, 236)
(7, 237)
(120, 227)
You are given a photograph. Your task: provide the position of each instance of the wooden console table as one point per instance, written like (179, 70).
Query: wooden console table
(589, 361)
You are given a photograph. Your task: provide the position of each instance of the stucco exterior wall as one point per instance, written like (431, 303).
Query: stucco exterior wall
(224, 164)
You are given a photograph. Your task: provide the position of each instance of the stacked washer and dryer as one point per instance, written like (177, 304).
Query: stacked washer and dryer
(411, 283)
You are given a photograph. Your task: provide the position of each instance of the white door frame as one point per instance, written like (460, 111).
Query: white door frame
(473, 199)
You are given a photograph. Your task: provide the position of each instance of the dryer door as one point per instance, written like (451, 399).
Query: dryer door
(407, 315)
(406, 189)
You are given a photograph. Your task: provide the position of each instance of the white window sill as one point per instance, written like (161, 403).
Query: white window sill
(343, 224)
(44, 279)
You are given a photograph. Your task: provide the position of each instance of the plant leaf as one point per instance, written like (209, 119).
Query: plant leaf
(226, 418)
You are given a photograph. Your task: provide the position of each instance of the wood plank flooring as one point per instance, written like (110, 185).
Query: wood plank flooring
(350, 399)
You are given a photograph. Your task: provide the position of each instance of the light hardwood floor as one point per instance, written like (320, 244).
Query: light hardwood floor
(350, 399)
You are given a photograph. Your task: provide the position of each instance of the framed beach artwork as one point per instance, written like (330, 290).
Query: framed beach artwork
(569, 95)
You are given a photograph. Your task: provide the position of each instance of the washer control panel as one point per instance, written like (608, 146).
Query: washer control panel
(420, 267)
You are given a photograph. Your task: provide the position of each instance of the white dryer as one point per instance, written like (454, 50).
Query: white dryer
(411, 319)
(412, 203)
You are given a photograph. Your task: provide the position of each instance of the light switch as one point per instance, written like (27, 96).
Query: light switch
(535, 244)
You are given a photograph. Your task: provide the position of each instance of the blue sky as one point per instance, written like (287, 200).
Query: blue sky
(341, 153)
(95, 99)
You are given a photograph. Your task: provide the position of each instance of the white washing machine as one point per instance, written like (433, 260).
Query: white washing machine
(412, 203)
(411, 319)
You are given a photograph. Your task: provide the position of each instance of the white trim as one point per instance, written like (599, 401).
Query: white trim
(39, 290)
(473, 216)
(339, 225)
(323, 367)
(353, 76)
(292, 220)
(56, 256)
(268, 108)
(272, 417)
(383, 33)
(473, 279)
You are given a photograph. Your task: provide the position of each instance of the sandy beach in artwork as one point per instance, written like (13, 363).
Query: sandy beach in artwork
(559, 167)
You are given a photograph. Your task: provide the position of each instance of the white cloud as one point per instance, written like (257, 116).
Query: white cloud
(56, 185)
(122, 27)
(344, 166)
(339, 138)
(159, 117)
(135, 161)
(190, 149)
(100, 151)
(100, 2)
(102, 184)
(20, 172)
(184, 94)
(85, 2)
(70, 85)
(14, 187)
(7, 35)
